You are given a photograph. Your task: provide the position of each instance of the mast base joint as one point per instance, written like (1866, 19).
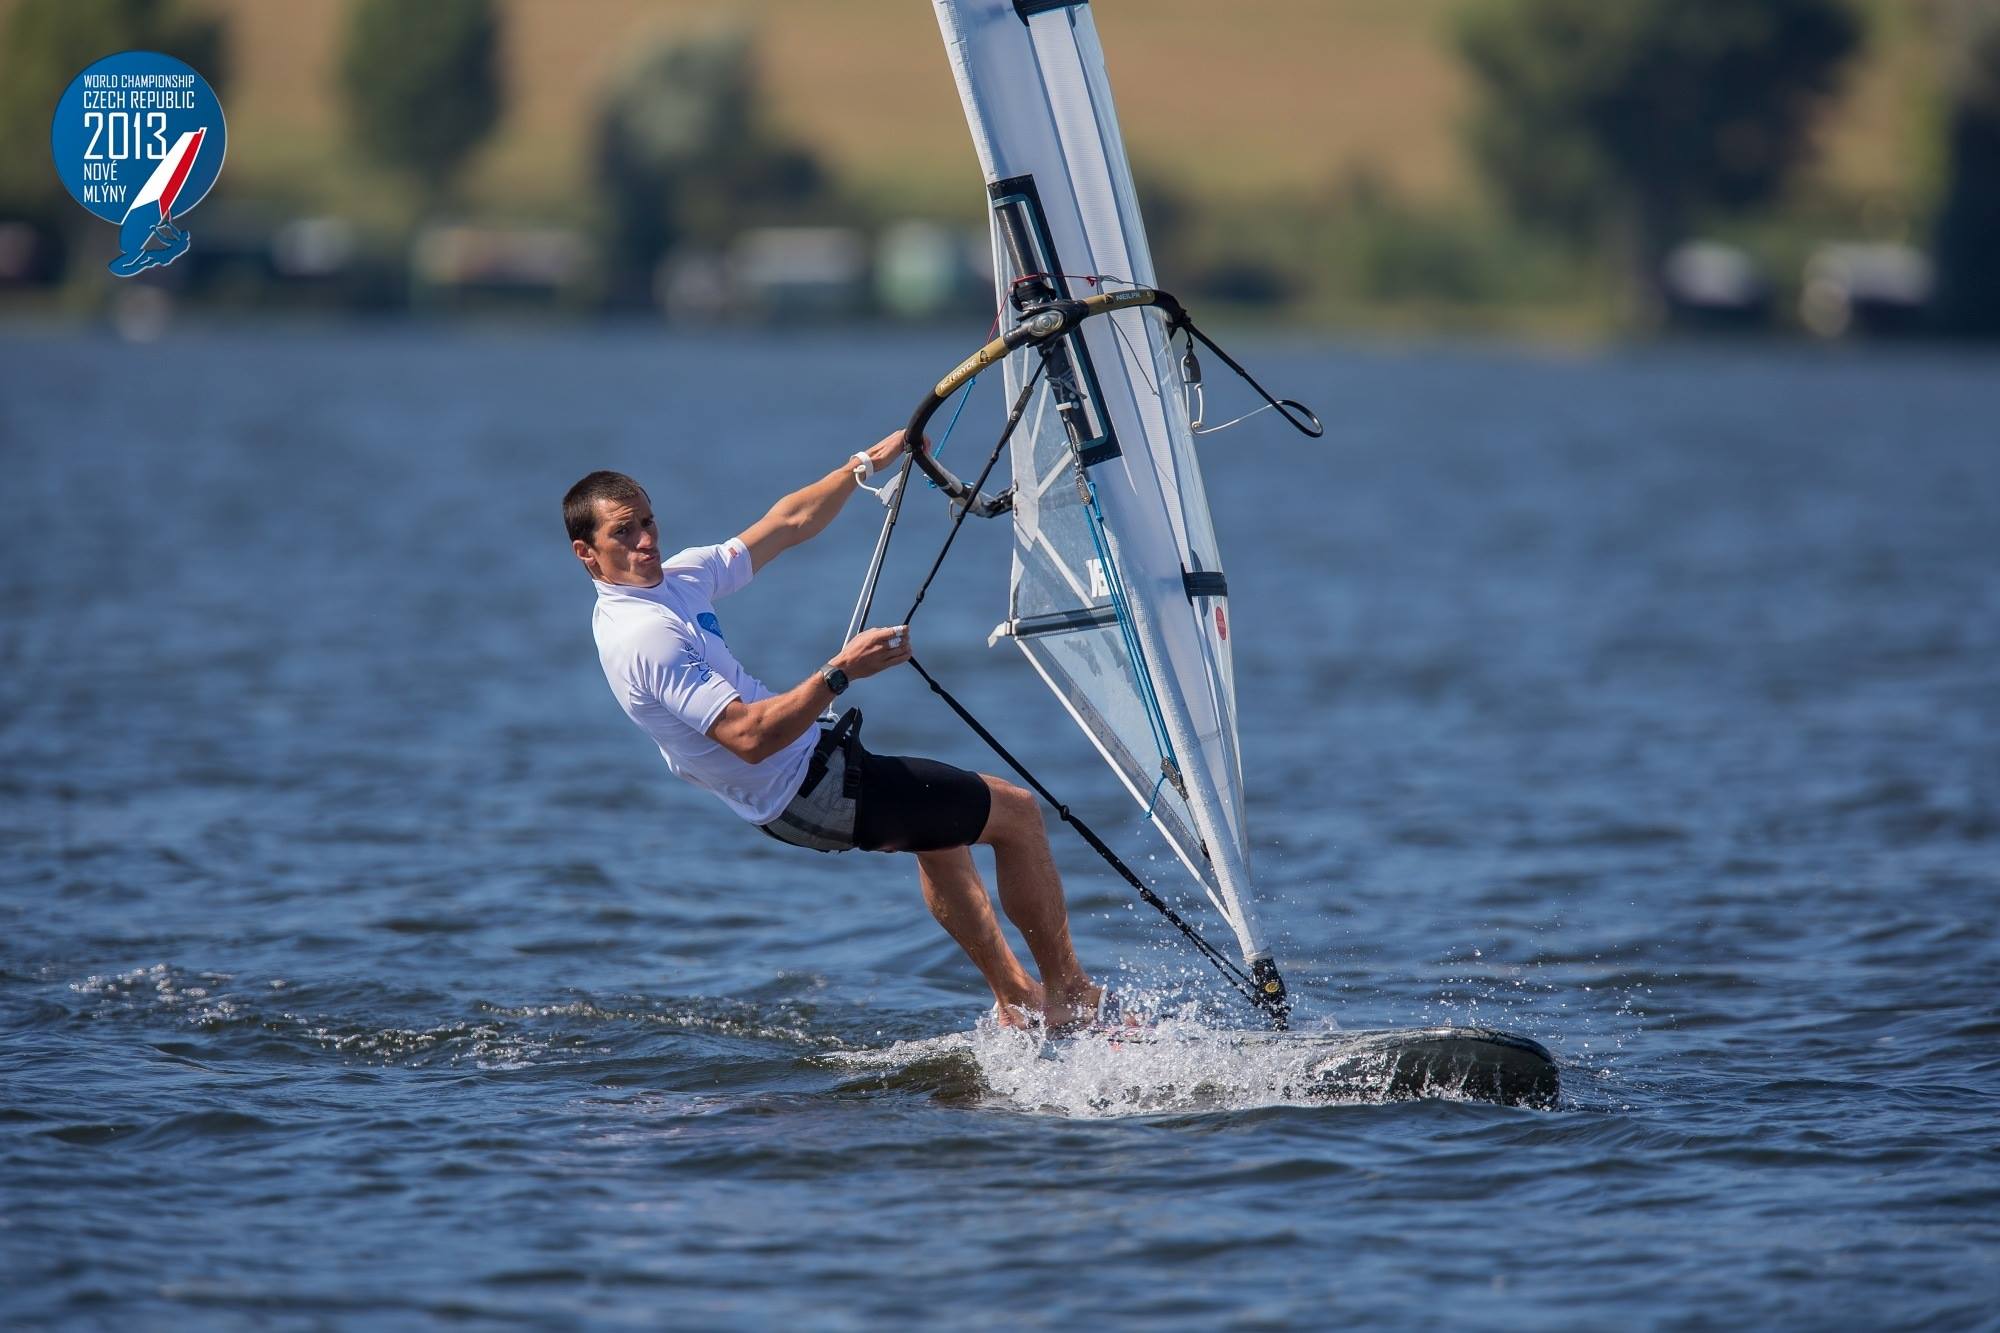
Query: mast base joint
(1268, 991)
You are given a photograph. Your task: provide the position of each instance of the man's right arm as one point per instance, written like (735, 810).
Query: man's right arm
(753, 732)
(805, 513)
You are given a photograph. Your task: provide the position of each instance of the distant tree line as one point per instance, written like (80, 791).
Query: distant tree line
(1614, 127)
(1625, 123)
(422, 85)
(685, 156)
(682, 151)
(1628, 124)
(1968, 230)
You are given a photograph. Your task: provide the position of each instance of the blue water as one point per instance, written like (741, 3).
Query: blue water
(359, 963)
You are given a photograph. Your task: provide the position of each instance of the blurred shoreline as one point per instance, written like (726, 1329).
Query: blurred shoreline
(1314, 168)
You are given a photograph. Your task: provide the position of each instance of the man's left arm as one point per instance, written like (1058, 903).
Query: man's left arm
(804, 513)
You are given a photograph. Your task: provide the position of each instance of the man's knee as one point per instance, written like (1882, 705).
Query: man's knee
(1016, 811)
(944, 861)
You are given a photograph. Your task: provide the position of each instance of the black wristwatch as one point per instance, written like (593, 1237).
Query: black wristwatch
(835, 678)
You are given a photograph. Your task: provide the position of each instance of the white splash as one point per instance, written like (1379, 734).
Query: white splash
(1168, 1067)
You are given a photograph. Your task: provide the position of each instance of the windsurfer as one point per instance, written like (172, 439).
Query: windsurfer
(761, 752)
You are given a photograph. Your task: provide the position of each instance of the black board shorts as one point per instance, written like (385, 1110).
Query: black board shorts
(880, 802)
(910, 804)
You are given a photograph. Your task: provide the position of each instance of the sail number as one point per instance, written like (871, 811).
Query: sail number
(118, 135)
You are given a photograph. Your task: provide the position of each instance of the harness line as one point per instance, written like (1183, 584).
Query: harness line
(1231, 971)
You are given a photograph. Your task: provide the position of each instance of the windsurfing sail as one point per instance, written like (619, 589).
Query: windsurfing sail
(1119, 595)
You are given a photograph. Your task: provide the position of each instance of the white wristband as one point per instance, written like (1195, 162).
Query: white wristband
(863, 469)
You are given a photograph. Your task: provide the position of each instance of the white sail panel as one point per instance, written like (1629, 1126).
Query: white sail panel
(1118, 595)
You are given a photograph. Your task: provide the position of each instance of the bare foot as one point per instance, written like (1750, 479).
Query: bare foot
(1066, 1013)
(1021, 1010)
(1080, 1008)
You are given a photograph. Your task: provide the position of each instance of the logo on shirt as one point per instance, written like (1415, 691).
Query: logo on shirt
(698, 664)
(708, 622)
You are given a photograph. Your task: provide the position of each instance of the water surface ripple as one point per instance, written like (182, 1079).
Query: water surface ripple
(360, 964)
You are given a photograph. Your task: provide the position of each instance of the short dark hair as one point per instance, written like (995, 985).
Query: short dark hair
(580, 505)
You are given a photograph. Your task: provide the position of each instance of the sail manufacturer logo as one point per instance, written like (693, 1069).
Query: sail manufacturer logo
(138, 139)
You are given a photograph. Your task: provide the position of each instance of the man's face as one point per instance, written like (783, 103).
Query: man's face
(626, 546)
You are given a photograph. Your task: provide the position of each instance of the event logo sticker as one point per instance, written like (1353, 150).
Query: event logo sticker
(138, 140)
